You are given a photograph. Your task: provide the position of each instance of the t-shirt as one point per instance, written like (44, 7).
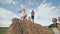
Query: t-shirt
(32, 13)
(54, 25)
(23, 13)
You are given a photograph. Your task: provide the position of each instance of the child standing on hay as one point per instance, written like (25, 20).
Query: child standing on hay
(24, 15)
(32, 15)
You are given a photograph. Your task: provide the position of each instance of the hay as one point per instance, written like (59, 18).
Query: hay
(25, 27)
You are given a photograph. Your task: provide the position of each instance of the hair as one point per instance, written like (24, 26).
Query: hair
(55, 18)
(32, 10)
(23, 9)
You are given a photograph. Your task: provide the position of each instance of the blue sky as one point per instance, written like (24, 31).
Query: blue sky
(45, 10)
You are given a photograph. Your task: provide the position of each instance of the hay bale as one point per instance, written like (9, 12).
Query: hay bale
(25, 27)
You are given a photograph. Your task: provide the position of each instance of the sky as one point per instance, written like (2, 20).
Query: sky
(45, 10)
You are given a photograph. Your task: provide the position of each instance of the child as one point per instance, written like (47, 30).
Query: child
(32, 15)
(24, 15)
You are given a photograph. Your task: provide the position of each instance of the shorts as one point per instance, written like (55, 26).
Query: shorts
(32, 17)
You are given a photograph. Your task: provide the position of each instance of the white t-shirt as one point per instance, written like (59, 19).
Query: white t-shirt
(23, 13)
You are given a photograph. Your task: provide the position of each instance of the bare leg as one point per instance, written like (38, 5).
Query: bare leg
(33, 20)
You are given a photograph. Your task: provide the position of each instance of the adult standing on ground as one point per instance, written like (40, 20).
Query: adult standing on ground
(54, 26)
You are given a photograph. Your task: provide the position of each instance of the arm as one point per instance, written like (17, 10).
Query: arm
(59, 26)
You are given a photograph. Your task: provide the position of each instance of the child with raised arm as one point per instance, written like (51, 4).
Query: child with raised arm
(24, 15)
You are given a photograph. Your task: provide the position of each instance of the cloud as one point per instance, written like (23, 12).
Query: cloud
(1, 25)
(30, 2)
(22, 6)
(46, 11)
(6, 16)
(14, 2)
(5, 23)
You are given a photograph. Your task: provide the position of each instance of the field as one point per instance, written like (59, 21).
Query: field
(3, 30)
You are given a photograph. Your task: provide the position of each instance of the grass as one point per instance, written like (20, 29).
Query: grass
(3, 30)
(49, 30)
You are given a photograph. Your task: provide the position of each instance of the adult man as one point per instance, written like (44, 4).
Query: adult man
(54, 26)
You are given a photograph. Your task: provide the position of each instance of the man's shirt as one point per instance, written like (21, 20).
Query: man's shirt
(54, 25)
